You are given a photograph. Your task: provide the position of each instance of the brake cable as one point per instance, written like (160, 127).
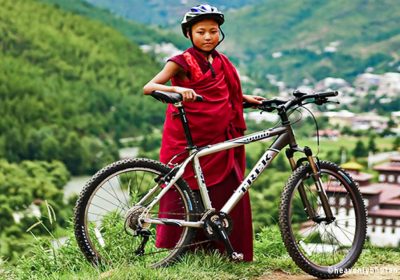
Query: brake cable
(316, 124)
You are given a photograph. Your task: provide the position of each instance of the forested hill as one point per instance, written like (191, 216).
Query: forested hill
(315, 38)
(140, 33)
(69, 87)
(290, 39)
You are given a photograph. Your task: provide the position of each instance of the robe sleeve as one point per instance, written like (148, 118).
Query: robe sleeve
(180, 60)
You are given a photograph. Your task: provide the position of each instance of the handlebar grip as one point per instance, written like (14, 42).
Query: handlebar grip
(328, 94)
(247, 105)
(199, 98)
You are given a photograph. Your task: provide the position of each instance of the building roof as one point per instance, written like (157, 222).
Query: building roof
(361, 177)
(384, 213)
(387, 167)
(394, 202)
(387, 191)
(395, 159)
(352, 165)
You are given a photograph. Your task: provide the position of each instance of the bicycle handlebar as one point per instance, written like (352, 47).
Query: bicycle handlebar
(273, 104)
(267, 105)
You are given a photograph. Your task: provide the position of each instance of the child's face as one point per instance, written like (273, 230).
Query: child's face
(205, 34)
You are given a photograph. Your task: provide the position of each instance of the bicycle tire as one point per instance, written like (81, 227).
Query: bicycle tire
(101, 209)
(306, 240)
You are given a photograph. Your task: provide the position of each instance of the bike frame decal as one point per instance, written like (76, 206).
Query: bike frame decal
(263, 163)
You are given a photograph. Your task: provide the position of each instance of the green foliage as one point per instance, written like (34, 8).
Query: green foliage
(360, 150)
(134, 31)
(396, 143)
(70, 87)
(366, 34)
(270, 255)
(372, 144)
(25, 189)
(300, 30)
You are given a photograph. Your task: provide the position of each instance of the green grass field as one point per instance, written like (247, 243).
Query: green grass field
(270, 256)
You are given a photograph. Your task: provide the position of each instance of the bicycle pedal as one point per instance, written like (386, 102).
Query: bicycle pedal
(237, 256)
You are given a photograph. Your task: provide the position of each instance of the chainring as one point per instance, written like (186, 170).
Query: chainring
(209, 218)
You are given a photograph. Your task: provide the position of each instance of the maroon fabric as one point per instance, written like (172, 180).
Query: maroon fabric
(241, 236)
(202, 62)
(218, 118)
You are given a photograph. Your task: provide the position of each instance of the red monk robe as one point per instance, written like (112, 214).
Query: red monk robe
(218, 118)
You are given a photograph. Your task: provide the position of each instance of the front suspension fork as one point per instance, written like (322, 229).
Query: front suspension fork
(308, 208)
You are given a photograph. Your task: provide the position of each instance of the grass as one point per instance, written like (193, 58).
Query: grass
(270, 255)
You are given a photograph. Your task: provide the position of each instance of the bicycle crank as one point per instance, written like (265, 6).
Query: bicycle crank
(218, 225)
(209, 219)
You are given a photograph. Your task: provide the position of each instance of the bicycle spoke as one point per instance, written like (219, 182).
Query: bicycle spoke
(112, 221)
(320, 241)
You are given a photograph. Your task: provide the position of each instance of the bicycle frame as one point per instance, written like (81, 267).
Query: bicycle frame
(284, 138)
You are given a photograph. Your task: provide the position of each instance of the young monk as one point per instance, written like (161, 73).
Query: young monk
(204, 71)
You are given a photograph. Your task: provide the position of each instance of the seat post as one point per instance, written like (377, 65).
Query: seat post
(185, 123)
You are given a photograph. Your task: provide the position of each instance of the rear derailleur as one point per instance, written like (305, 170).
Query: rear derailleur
(134, 227)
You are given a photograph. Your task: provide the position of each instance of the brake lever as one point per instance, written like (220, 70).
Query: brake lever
(321, 100)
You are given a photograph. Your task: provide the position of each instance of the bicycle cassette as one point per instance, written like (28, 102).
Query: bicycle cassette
(132, 219)
(209, 218)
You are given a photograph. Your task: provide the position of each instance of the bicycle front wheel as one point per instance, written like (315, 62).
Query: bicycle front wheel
(323, 248)
(108, 216)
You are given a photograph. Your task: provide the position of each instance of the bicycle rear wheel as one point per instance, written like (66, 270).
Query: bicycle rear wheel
(107, 215)
(323, 249)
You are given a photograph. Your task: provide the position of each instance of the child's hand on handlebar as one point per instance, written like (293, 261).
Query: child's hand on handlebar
(188, 95)
(256, 100)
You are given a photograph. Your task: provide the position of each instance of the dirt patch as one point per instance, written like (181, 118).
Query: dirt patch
(371, 273)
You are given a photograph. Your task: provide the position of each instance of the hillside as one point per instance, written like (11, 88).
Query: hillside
(294, 40)
(139, 33)
(70, 87)
(316, 39)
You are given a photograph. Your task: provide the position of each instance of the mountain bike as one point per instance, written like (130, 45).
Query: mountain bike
(322, 215)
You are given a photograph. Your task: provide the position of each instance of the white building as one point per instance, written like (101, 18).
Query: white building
(382, 200)
(385, 85)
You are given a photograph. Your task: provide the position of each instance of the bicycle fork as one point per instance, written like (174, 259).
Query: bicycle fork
(308, 208)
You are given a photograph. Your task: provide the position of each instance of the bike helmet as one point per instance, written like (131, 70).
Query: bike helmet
(198, 13)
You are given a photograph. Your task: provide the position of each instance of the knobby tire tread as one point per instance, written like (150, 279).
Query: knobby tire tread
(106, 172)
(284, 221)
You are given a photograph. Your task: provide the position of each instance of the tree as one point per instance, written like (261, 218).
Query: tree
(360, 150)
(396, 143)
(23, 187)
(372, 145)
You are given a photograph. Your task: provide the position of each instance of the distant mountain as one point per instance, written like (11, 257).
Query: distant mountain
(161, 12)
(293, 40)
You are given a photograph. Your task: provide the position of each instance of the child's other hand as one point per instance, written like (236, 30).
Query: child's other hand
(187, 93)
(253, 99)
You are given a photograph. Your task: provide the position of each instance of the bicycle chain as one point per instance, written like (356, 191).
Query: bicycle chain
(188, 245)
(190, 214)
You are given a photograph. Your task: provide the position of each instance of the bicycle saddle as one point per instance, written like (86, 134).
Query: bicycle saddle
(170, 97)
